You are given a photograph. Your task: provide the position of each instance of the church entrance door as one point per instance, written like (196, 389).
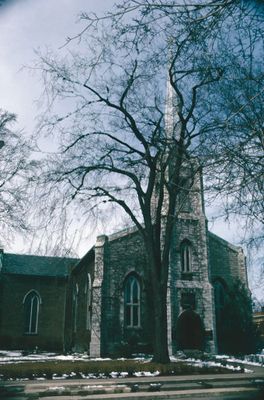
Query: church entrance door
(190, 331)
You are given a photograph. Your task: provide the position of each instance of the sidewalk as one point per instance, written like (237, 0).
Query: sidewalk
(165, 387)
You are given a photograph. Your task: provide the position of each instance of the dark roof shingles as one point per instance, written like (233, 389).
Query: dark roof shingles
(20, 264)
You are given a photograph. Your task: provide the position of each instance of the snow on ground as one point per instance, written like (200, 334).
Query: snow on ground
(209, 364)
(21, 356)
(8, 357)
(18, 356)
(250, 359)
(147, 373)
(13, 356)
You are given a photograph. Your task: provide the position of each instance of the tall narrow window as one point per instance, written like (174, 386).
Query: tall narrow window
(88, 292)
(75, 306)
(186, 257)
(185, 195)
(132, 302)
(31, 312)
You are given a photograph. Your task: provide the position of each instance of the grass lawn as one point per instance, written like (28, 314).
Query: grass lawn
(105, 368)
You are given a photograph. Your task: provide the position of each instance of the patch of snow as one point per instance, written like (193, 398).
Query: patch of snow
(221, 357)
(246, 361)
(10, 354)
(57, 388)
(176, 359)
(91, 376)
(200, 364)
(55, 376)
(250, 359)
(222, 360)
(88, 387)
(19, 356)
(65, 358)
(115, 374)
(146, 373)
(19, 379)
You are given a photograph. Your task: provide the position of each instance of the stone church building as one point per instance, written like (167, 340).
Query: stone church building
(99, 304)
(202, 267)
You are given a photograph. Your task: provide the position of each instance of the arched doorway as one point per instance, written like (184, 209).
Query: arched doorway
(190, 331)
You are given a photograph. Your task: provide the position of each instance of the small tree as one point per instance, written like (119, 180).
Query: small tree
(237, 333)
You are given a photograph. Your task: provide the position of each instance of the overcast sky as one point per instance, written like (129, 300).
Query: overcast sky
(25, 26)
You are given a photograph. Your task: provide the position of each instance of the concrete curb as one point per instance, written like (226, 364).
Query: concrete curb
(165, 387)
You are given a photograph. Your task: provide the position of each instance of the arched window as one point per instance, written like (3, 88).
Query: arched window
(75, 306)
(88, 292)
(132, 302)
(186, 256)
(31, 312)
(185, 194)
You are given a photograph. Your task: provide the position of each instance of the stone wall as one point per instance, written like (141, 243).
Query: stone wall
(123, 254)
(79, 309)
(227, 262)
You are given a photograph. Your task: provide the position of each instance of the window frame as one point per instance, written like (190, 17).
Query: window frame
(75, 306)
(31, 321)
(131, 304)
(186, 257)
(88, 292)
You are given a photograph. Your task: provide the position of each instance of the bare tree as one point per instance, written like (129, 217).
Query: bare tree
(233, 32)
(15, 167)
(114, 146)
(144, 14)
(236, 146)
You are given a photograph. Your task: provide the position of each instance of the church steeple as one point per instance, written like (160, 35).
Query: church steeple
(171, 115)
(171, 131)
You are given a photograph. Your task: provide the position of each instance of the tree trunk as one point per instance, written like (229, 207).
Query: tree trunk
(160, 341)
(157, 294)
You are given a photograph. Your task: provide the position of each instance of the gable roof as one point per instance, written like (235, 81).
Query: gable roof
(84, 261)
(21, 264)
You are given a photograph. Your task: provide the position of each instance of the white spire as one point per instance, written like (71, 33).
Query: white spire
(172, 122)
